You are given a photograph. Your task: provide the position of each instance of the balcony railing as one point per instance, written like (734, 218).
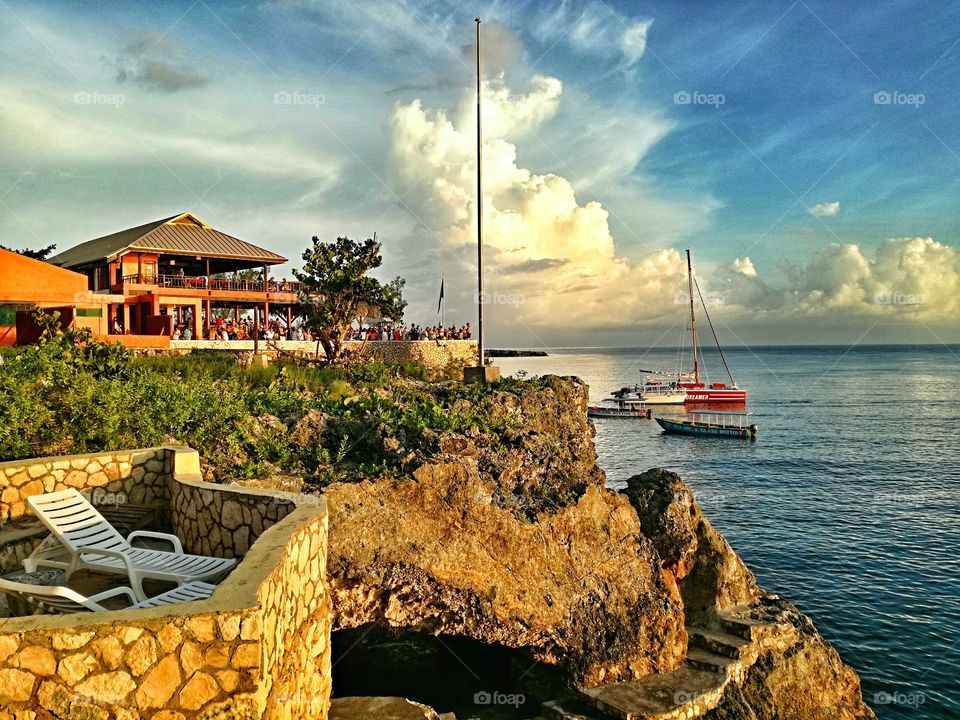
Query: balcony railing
(200, 283)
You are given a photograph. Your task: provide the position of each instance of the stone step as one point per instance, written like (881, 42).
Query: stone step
(707, 660)
(684, 693)
(569, 710)
(739, 626)
(717, 641)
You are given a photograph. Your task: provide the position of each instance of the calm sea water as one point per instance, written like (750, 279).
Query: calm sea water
(848, 503)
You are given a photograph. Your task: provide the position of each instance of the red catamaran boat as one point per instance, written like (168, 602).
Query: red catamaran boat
(698, 392)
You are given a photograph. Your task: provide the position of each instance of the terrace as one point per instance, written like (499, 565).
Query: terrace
(259, 647)
(180, 271)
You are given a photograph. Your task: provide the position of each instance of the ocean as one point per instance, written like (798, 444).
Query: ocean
(847, 503)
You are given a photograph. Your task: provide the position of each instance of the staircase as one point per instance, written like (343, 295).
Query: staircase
(715, 657)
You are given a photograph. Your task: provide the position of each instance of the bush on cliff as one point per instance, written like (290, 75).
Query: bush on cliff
(71, 394)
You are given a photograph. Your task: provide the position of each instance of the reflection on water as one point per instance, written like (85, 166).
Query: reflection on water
(848, 503)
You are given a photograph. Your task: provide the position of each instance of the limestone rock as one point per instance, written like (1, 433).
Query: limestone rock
(158, 686)
(198, 691)
(309, 428)
(38, 660)
(580, 586)
(15, 686)
(806, 680)
(381, 708)
(111, 687)
(710, 574)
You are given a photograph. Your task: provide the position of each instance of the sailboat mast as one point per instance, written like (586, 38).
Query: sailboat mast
(480, 298)
(693, 320)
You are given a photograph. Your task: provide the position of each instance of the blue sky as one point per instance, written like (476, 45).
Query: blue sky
(805, 151)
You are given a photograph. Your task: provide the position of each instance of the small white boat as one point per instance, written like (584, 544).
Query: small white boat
(662, 391)
(620, 406)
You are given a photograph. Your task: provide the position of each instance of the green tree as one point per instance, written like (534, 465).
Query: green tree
(337, 289)
(41, 254)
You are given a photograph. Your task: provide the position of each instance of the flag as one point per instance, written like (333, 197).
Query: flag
(440, 301)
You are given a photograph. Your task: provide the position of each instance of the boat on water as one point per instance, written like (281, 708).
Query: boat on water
(695, 390)
(654, 392)
(620, 406)
(712, 424)
(662, 389)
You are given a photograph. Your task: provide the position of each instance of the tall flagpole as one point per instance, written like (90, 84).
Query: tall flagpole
(480, 298)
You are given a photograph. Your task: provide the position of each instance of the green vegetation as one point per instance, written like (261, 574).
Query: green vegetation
(71, 394)
(338, 290)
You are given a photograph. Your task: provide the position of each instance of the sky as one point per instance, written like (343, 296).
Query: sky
(805, 152)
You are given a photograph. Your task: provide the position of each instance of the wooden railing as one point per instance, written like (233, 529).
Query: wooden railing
(200, 283)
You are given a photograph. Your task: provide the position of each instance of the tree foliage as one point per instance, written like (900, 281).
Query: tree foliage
(337, 289)
(41, 254)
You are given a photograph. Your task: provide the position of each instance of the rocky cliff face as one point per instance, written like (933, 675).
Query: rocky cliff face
(633, 597)
(580, 587)
(544, 457)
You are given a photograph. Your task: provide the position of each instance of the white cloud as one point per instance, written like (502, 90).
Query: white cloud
(915, 278)
(825, 209)
(557, 252)
(596, 29)
(543, 243)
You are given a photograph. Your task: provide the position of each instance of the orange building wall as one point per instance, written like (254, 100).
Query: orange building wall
(25, 280)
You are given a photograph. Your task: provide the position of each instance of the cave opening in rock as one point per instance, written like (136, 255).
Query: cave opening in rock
(449, 673)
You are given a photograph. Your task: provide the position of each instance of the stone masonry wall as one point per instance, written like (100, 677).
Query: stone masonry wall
(224, 520)
(134, 476)
(258, 649)
(427, 352)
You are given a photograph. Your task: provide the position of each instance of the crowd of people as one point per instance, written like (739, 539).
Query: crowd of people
(243, 330)
(414, 332)
(226, 330)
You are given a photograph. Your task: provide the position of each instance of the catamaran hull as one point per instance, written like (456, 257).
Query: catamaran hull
(665, 399)
(686, 428)
(716, 395)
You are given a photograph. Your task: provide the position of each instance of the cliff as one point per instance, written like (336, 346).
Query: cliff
(625, 604)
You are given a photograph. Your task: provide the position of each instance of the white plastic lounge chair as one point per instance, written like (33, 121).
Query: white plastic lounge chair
(66, 600)
(82, 538)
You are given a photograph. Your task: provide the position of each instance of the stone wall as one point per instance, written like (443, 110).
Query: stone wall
(257, 648)
(131, 476)
(219, 519)
(427, 352)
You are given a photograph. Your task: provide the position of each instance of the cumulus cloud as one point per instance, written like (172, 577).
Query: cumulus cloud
(555, 250)
(542, 241)
(825, 209)
(906, 278)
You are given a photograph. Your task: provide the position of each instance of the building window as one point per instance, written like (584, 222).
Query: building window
(8, 314)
